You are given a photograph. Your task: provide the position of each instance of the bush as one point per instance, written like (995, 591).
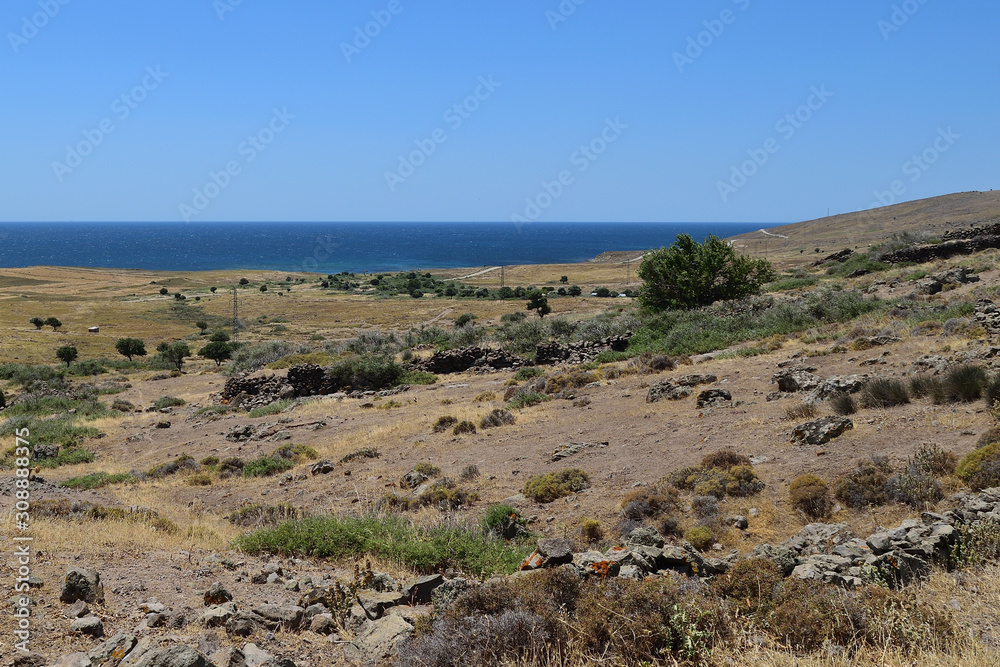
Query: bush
(231, 466)
(752, 585)
(199, 479)
(723, 473)
(700, 537)
(926, 385)
(526, 400)
(503, 520)
(254, 357)
(365, 373)
(497, 417)
(365, 453)
(511, 637)
(980, 469)
(591, 531)
(181, 463)
(690, 274)
(991, 391)
(843, 404)
(528, 372)
(266, 466)
(295, 453)
(808, 615)
(272, 408)
(884, 393)
(444, 423)
(464, 427)
(427, 469)
(865, 485)
(964, 383)
(168, 402)
(650, 502)
(469, 473)
(811, 496)
(392, 538)
(554, 485)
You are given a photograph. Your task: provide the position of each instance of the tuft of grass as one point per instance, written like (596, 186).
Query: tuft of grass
(527, 373)
(464, 427)
(811, 496)
(392, 538)
(427, 469)
(884, 393)
(256, 515)
(521, 401)
(554, 485)
(964, 383)
(364, 453)
(418, 377)
(444, 423)
(804, 410)
(497, 417)
(295, 453)
(843, 404)
(99, 480)
(272, 408)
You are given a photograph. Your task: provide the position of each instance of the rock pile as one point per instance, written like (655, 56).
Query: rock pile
(578, 353)
(802, 379)
(468, 359)
(675, 389)
(988, 316)
(926, 253)
(959, 275)
(246, 392)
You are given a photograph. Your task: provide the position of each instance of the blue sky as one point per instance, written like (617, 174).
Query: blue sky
(638, 110)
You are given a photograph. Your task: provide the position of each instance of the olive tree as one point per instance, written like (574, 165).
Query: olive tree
(130, 347)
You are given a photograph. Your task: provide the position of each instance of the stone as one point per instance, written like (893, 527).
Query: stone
(554, 551)
(375, 603)
(241, 627)
(793, 380)
(254, 656)
(695, 379)
(74, 660)
(322, 624)
(229, 656)
(818, 538)
(28, 659)
(88, 625)
(112, 651)
(217, 615)
(82, 584)
(595, 563)
(666, 390)
(217, 594)
(738, 521)
(321, 468)
(713, 397)
(783, 557)
(76, 610)
(379, 641)
(646, 536)
(421, 590)
(163, 424)
(283, 616)
(837, 384)
(821, 431)
(172, 656)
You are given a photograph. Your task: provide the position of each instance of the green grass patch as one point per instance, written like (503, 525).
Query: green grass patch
(272, 408)
(43, 406)
(858, 262)
(60, 431)
(418, 377)
(527, 400)
(955, 310)
(392, 538)
(99, 480)
(168, 402)
(266, 466)
(527, 373)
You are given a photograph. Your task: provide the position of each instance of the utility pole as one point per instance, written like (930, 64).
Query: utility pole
(236, 314)
(502, 278)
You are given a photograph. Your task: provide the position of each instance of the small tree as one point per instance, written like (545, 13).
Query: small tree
(130, 347)
(689, 274)
(164, 291)
(564, 279)
(263, 288)
(201, 324)
(38, 322)
(219, 337)
(67, 353)
(174, 353)
(464, 319)
(575, 290)
(539, 303)
(244, 281)
(217, 351)
(179, 297)
(53, 322)
(212, 289)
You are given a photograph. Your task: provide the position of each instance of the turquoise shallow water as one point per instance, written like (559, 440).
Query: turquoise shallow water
(331, 247)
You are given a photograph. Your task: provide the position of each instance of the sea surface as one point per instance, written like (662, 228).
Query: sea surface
(332, 247)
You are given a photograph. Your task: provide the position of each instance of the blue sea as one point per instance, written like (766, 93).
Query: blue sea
(332, 247)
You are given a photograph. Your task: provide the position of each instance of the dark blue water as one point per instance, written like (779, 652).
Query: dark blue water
(331, 247)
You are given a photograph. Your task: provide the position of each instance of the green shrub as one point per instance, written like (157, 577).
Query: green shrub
(991, 391)
(527, 400)
(168, 402)
(365, 373)
(181, 463)
(700, 537)
(464, 427)
(266, 466)
(554, 485)
(723, 473)
(210, 461)
(61, 431)
(590, 530)
(980, 469)
(497, 417)
(272, 408)
(392, 538)
(650, 502)
(926, 385)
(418, 377)
(444, 423)
(865, 485)
(527, 373)
(964, 383)
(978, 544)
(231, 466)
(811, 496)
(884, 393)
(199, 479)
(427, 469)
(99, 480)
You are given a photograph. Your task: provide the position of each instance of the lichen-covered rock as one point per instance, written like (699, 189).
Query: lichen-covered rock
(821, 431)
(667, 390)
(714, 397)
(82, 584)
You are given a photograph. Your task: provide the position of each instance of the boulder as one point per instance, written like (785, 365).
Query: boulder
(818, 538)
(379, 641)
(549, 552)
(695, 379)
(821, 431)
(217, 616)
(791, 380)
(783, 557)
(88, 625)
(713, 397)
(76, 610)
(375, 603)
(112, 651)
(420, 590)
(284, 616)
(646, 536)
(666, 390)
(321, 468)
(28, 659)
(82, 584)
(172, 656)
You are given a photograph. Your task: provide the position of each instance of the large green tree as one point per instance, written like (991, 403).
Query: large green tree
(130, 347)
(67, 353)
(218, 351)
(689, 274)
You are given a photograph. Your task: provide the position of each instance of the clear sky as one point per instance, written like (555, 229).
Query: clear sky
(580, 110)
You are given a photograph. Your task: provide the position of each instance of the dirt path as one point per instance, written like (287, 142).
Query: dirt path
(478, 273)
